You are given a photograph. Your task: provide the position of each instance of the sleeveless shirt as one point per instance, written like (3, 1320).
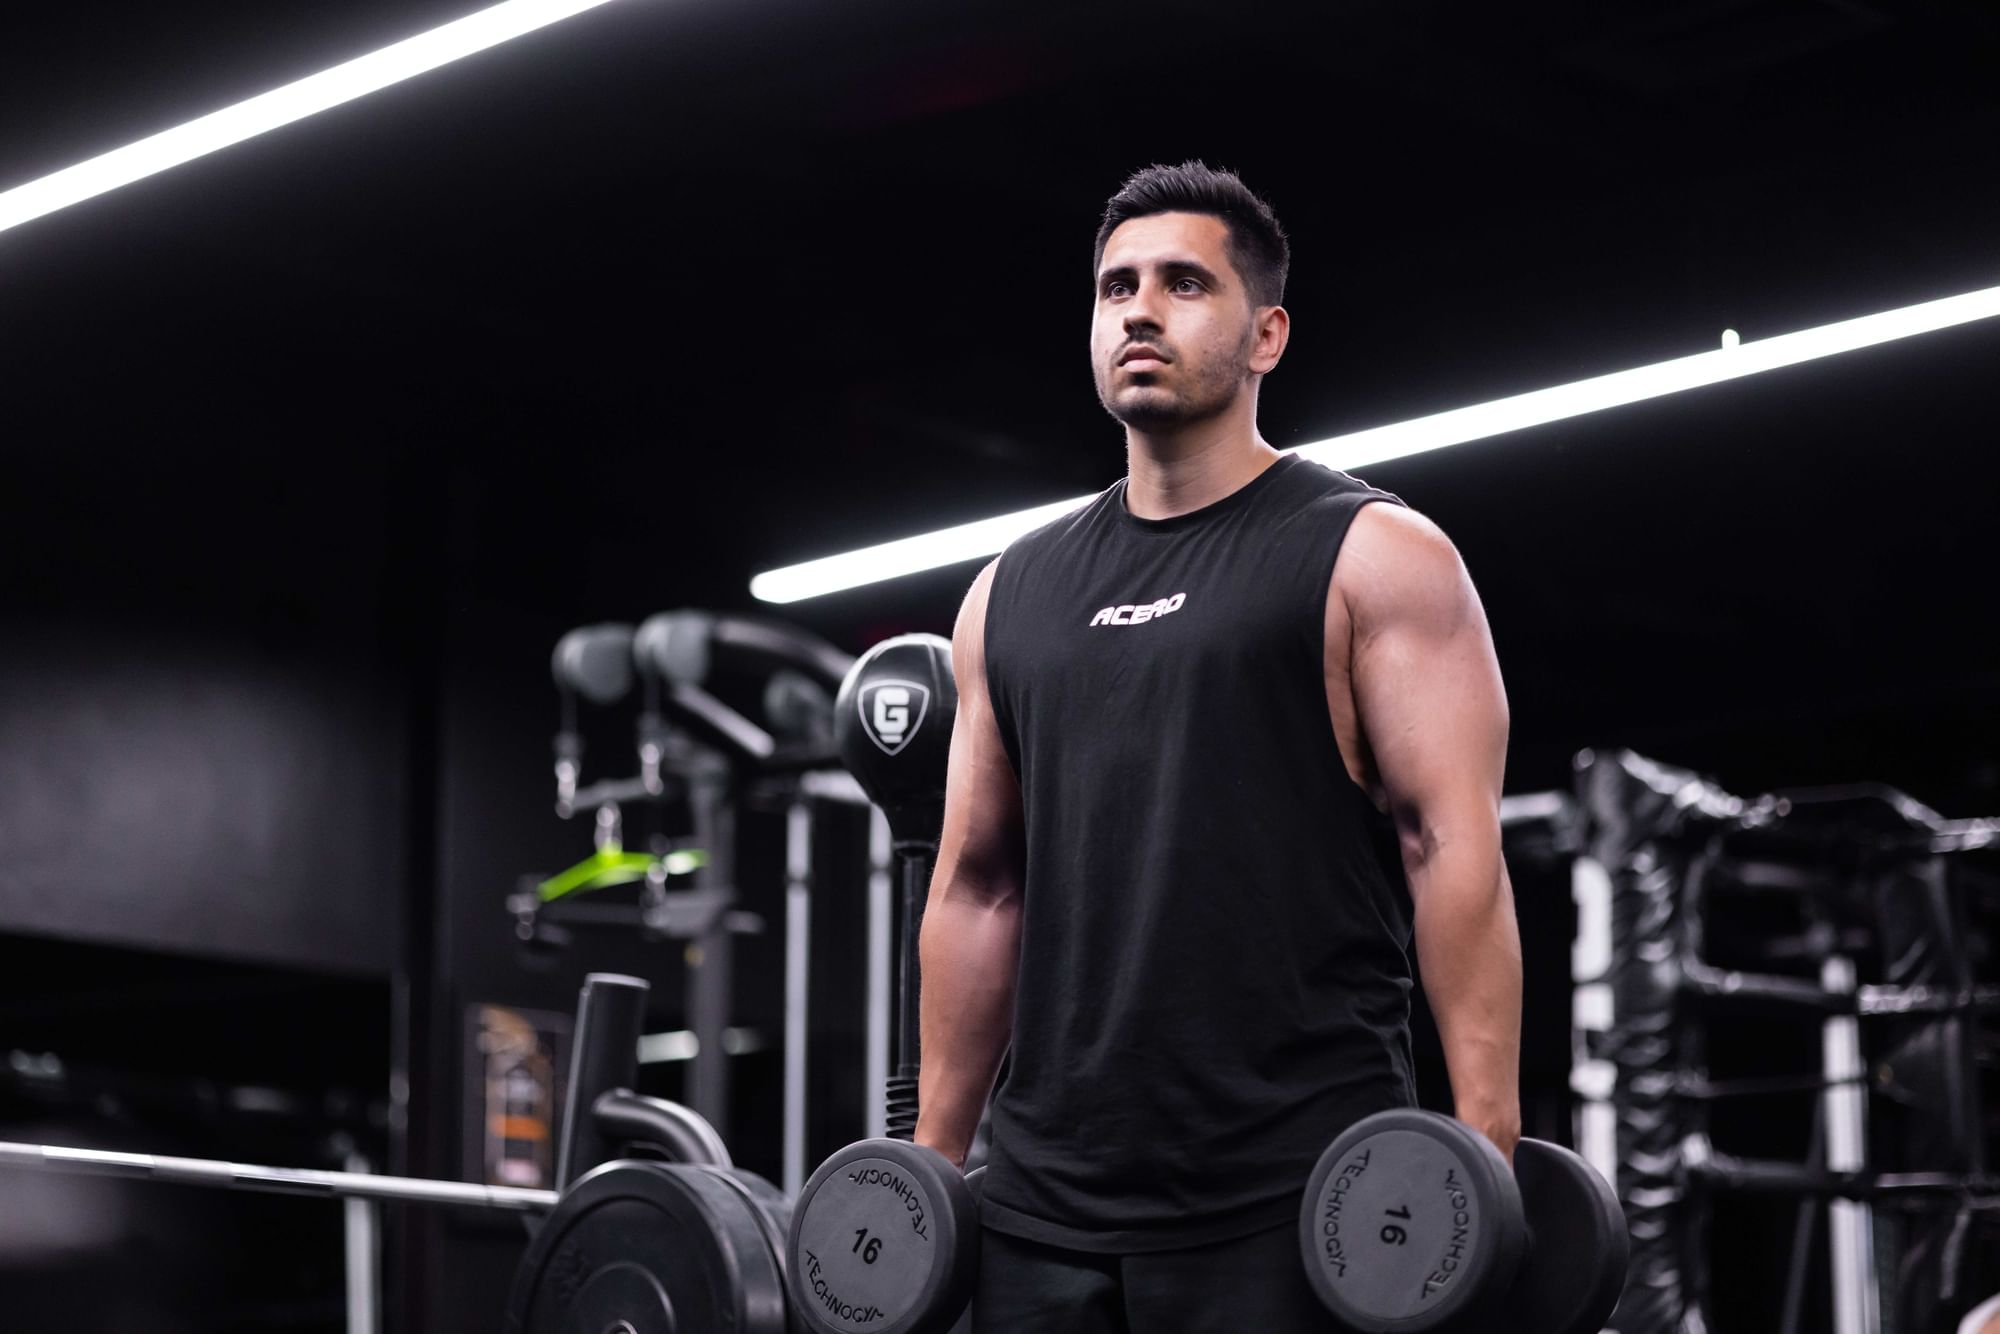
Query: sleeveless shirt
(1214, 972)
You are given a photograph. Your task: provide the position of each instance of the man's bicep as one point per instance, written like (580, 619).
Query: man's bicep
(1427, 684)
(980, 849)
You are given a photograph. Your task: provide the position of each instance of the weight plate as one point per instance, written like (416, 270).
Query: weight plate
(1411, 1220)
(649, 1248)
(773, 1209)
(884, 1240)
(1575, 1273)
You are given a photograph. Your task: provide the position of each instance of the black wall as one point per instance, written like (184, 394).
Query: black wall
(201, 704)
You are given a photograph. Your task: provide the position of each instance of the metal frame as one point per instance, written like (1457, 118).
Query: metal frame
(275, 1180)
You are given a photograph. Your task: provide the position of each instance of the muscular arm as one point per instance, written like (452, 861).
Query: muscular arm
(971, 940)
(1432, 714)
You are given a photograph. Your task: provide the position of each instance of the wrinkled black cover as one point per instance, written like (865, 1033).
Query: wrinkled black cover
(1927, 1117)
(1648, 823)
(1659, 833)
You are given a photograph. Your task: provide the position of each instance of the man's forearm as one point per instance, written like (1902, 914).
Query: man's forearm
(970, 951)
(1469, 955)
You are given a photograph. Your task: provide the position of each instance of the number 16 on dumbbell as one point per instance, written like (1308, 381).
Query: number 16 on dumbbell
(1412, 1222)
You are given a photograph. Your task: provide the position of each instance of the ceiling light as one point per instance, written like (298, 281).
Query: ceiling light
(282, 106)
(1734, 360)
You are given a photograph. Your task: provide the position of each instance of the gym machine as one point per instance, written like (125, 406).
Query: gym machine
(694, 748)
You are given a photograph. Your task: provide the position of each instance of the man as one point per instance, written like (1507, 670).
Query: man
(1228, 739)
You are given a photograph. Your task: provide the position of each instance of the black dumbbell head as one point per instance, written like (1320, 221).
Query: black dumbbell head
(884, 1240)
(1575, 1272)
(1411, 1221)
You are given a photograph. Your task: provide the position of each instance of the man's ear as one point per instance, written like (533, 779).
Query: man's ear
(1272, 327)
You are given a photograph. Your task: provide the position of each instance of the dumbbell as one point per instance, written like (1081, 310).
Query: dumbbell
(1412, 1222)
(885, 1235)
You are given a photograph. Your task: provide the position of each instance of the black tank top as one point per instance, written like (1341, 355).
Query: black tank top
(1214, 976)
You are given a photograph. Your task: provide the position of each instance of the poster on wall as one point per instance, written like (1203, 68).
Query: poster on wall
(514, 1068)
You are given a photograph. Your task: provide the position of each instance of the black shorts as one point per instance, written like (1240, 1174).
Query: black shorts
(1255, 1283)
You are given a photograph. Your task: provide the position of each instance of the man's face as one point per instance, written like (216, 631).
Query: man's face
(1173, 329)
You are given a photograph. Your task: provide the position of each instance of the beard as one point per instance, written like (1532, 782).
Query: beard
(1199, 391)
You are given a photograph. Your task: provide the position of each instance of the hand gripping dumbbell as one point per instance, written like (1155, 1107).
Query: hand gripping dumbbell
(885, 1236)
(1413, 1222)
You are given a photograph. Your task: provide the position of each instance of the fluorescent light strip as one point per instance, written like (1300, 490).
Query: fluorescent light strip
(911, 555)
(282, 106)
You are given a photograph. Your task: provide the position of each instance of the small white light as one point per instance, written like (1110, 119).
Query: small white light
(677, 1045)
(1730, 338)
(281, 106)
(1733, 361)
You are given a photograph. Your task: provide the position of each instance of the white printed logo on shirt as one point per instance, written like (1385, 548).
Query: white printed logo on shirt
(1138, 613)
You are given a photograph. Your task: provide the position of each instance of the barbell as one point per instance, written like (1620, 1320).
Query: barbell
(625, 1245)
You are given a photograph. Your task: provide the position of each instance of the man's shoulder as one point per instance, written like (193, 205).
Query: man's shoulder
(1398, 561)
(1398, 530)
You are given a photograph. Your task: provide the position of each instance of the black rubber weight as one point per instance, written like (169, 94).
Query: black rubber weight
(1576, 1270)
(773, 1210)
(641, 1247)
(884, 1240)
(975, 1181)
(1411, 1221)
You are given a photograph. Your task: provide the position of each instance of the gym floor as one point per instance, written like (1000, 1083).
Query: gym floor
(316, 446)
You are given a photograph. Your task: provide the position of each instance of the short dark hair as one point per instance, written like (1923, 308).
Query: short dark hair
(1257, 244)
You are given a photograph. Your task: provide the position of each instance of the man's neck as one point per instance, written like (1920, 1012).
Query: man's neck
(1178, 474)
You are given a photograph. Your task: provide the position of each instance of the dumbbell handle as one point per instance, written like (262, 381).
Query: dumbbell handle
(278, 1180)
(914, 858)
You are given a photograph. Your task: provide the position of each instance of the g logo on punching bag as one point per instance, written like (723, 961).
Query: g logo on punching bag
(892, 729)
(892, 711)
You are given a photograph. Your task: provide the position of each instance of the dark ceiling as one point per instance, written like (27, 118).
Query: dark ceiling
(762, 281)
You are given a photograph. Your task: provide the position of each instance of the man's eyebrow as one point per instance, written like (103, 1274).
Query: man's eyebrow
(1199, 270)
(1172, 267)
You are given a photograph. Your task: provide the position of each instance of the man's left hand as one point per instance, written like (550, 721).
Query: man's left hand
(1500, 1125)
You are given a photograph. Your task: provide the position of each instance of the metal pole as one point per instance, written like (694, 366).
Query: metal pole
(876, 1071)
(1593, 1079)
(275, 1180)
(708, 955)
(364, 1307)
(1850, 1223)
(798, 957)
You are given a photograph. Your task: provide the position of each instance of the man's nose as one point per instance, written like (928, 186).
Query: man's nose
(1142, 311)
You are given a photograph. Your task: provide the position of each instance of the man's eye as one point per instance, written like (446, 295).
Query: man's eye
(1114, 289)
(1189, 283)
